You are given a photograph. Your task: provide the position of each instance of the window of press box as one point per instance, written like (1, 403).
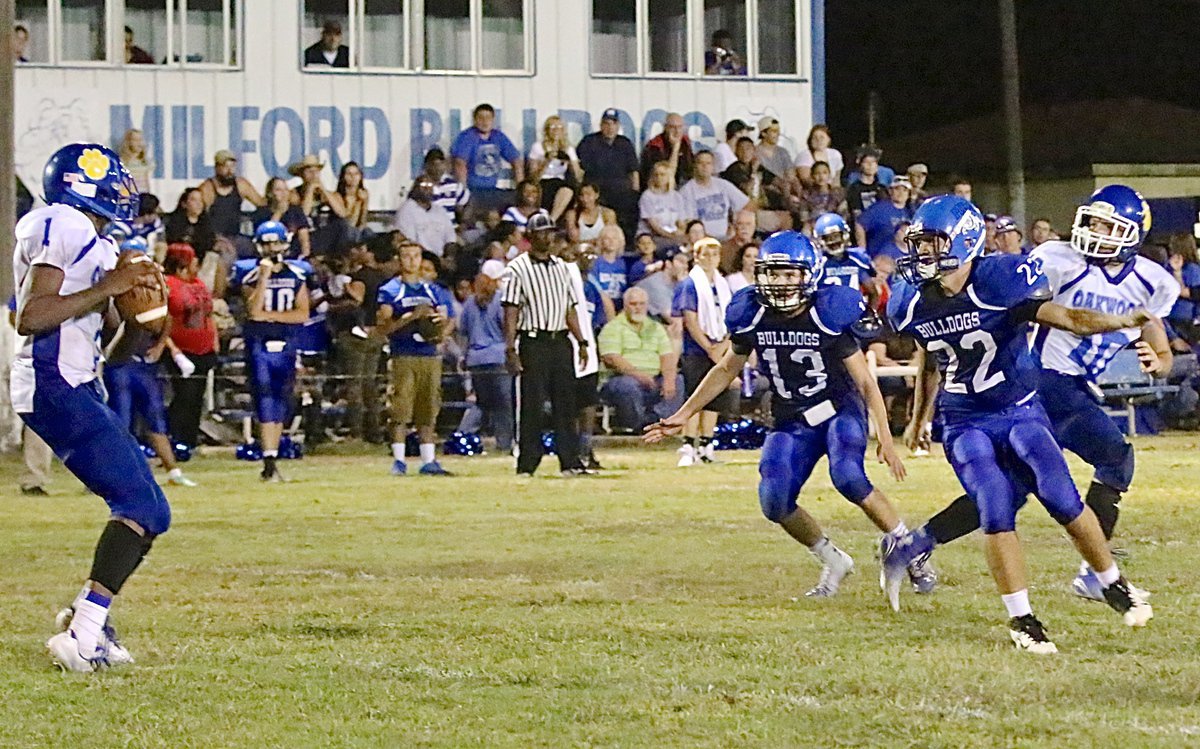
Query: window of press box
(31, 35)
(83, 31)
(448, 35)
(614, 37)
(668, 36)
(777, 37)
(384, 34)
(324, 31)
(725, 37)
(502, 34)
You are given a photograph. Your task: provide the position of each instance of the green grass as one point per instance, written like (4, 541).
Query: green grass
(649, 607)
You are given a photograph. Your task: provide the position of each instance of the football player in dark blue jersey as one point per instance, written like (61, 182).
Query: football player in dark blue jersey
(844, 265)
(971, 313)
(800, 330)
(276, 294)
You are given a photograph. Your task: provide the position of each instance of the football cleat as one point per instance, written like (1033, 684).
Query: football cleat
(434, 469)
(687, 456)
(117, 654)
(708, 453)
(272, 476)
(399, 468)
(922, 575)
(1129, 602)
(1028, 634)
(1087, 585)
(832, 575)
(895, 556)
(64, 650)
(175, 477)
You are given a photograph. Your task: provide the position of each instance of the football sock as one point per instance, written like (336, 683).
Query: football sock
(270, 453)
(88, 623)
(958, 519)
(268, 464)
(900, 531)
(1017, 603)
(82, 595)
(824, 550)
(703, 442)
(428, 454)
(689, 441)
(398, 450)
(1109, 576)
(1105, 501)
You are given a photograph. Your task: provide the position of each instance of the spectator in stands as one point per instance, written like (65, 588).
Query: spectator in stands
(492, 385)
(712, 199)
(407, 303)
(479, 153)
(279, 208)
(1008, 236)
(20, 45)
(700, 302)
(329, 50)
(1039, 231)
(779, 176)
(672, 146)
(746, 173)
(867, 188)
(897, 245)
(744, 276)
(190, 224)
(724, 154)
(721, 58)
(962, 188)
(224, 193)
(135, 55)
(136, 160)
(448, 192)
(325, 209)
(609, 270)
(917, 175)
(193, 331)
(554, 162)
(883, 174)
(819, 148)
(503, 243)
(662, 208)
(644, 385)
(354, 195)
(528, 205)
(645, 262)
(1182, 263)
(877, 225)
(989, 232)
(148, 225)
(745, 225)
(821, 196)
(611, 162)
(358, 344)
(694, 232)
(588, 218)
(660, 286)
(422, 222)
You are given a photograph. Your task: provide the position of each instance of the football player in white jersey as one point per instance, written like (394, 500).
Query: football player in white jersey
(66, 275)
(1099, 269)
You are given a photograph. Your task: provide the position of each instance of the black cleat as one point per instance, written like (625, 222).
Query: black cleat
(1129, 602)
(1028, 634)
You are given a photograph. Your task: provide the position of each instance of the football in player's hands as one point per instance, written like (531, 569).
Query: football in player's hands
(145, 304)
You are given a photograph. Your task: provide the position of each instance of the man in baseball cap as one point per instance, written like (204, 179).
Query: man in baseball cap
(1008, 236)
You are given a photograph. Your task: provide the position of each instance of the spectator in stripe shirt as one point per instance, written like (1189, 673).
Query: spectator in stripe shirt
(448, 192)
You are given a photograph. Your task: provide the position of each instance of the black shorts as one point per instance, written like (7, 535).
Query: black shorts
(694, 367)
(587, 390)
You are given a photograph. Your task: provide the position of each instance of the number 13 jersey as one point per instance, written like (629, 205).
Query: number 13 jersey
(980, 335)
(800, 355)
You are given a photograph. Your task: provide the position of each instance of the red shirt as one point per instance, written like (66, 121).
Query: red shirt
(190, 306)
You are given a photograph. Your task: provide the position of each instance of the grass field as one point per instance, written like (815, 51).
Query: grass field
(648, 607)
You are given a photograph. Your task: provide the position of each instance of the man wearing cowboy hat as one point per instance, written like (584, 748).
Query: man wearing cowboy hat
(325, 208)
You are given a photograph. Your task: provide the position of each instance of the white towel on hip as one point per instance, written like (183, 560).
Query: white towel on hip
(710, 308)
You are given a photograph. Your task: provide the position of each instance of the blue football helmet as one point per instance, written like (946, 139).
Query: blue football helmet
(787, 251)
(954, 227)
(91, 178)
(269, 233)
(1127, 216)
(135, 244)
(118, 231)
(831, 234)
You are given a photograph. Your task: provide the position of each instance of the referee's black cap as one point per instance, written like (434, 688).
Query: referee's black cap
(540, 222)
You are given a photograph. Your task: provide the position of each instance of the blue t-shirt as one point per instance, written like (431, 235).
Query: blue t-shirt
(403, 297)
(484, 157)
(611, 277)
(283, 288)
(595, 303)
(484, 328)
(884, 176)
(978, 336)
(1185, 309)
(880, 222)
(685, 300)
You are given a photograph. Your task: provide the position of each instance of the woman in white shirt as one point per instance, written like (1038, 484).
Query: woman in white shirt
(662, 208)
(588, 218)
(554, 162)
(820, 148)
(745, 276)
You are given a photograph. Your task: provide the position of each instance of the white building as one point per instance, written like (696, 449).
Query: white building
(229, 74)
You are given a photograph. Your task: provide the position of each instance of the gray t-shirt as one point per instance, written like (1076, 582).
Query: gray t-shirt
(775, 160)
(661, 290)
(664, 207)
(713, 204)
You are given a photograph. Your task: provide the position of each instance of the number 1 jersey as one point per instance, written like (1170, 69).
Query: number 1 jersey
(802, 355)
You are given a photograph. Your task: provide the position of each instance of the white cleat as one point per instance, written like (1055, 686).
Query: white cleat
(175, 477)
(64, 650)
(687, 457)
(117, 655)
(1028, 634)
(832, 574)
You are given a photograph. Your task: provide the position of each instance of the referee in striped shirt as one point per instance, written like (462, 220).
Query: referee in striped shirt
(539, 311)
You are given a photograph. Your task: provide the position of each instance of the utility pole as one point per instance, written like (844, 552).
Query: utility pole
(10, 429)
(1012, 112)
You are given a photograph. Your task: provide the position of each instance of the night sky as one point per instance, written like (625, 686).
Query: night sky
(938, 61)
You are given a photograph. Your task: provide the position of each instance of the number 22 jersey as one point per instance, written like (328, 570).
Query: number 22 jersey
(801, 355)
(980, 335)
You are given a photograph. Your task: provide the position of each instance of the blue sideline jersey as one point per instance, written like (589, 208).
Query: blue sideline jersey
(404, 297)
(980, 335)
(283, 289)
(852, 269)
(801, 355)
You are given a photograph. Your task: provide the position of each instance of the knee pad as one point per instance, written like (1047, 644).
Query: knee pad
(1036, 447)
(775, 491)
(147, 507)
(974, 460)
(850, 479)
(1118, 474)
